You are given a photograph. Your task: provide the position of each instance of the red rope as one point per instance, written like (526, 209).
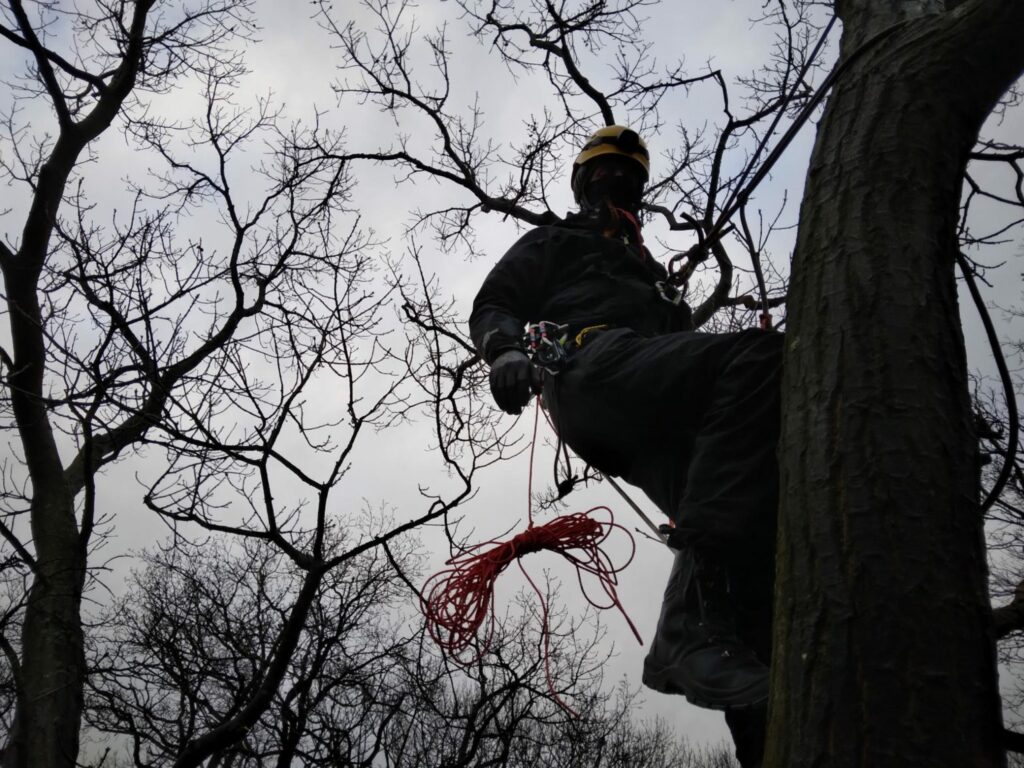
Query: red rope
(636, 227)
(459, 600)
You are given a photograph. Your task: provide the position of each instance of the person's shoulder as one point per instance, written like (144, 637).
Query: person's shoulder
(554, 233)
(581, 221)
(542, 233)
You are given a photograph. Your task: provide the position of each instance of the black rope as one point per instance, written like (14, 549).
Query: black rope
(838, 71)
(782, 109)
(721, 227)
(1004, 375)
(762, 287)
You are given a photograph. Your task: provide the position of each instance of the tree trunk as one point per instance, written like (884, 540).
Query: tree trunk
(51, 676)
(883, 648)
(52, 673)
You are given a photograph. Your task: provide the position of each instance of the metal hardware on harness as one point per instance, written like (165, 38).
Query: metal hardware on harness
(545, 342)
(582, 335)
(669, 292)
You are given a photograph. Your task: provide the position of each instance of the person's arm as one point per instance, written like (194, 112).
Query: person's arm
(510, 296)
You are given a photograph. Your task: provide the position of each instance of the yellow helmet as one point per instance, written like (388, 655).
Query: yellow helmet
(611, 140)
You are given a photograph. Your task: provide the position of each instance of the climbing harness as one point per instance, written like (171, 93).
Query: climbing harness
(549, 348)
(546, 345)
(581, 337)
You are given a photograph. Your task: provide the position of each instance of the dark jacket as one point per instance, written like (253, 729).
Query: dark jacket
(570, 273)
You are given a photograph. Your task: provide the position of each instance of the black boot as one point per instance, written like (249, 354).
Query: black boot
(695, 651)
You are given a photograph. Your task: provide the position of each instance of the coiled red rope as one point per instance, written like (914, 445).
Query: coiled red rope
(457, 601)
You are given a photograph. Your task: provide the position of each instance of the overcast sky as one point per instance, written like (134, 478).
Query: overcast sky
(294, 61)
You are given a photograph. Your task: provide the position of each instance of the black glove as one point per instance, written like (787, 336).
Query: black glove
(513, 380)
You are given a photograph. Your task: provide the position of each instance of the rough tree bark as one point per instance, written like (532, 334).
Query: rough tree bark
(884, 653)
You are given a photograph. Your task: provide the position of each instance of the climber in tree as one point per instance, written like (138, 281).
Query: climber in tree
(691, 418)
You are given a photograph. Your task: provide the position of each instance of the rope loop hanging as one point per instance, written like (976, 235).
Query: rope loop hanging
(459, 601)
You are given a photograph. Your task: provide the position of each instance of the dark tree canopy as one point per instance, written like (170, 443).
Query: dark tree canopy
(239, 335)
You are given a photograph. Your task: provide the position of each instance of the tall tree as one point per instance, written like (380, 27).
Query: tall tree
(883, 635)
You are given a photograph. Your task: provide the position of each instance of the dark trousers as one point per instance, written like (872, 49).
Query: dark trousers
(693, 420)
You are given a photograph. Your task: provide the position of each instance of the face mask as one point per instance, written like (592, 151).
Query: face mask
(620, 191)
